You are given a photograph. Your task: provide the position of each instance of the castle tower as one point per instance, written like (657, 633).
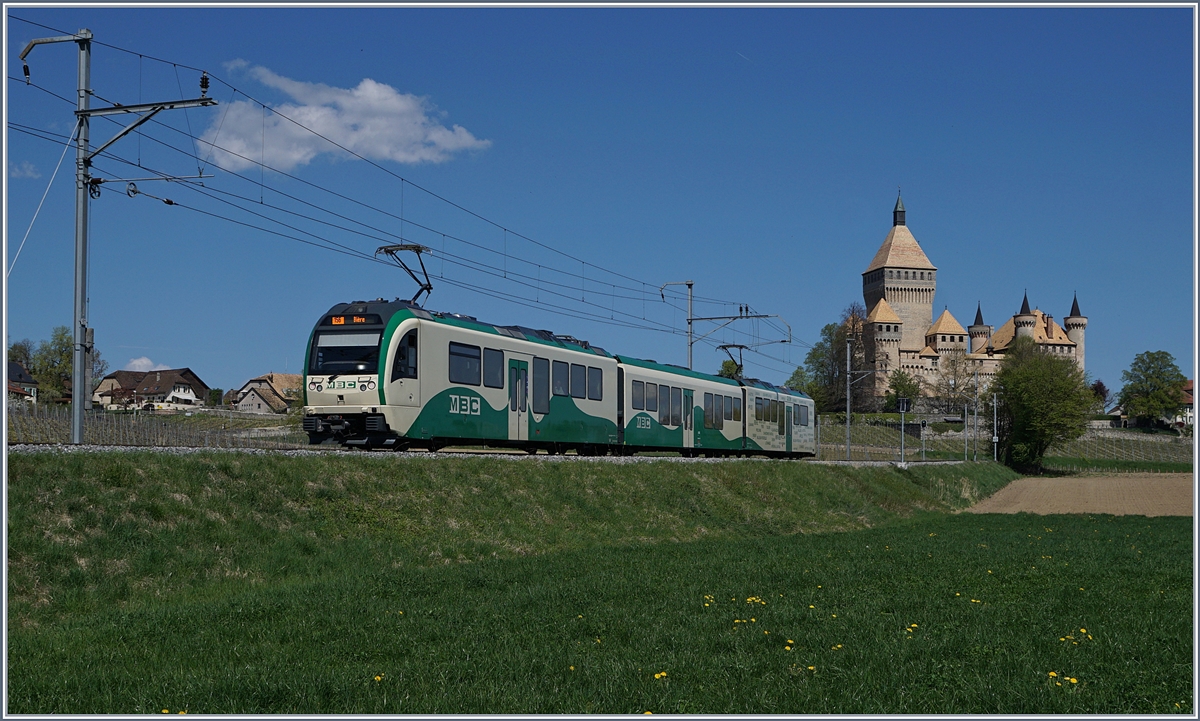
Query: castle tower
(882, 338)
(1025, 319)
(978, 331)
(1075, 324)
(902, 275)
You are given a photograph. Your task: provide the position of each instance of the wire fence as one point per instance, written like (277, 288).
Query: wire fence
(41, 423)
(878, 439)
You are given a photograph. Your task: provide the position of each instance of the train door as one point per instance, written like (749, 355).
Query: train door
(788, 432)
(689, 412)
(518, 398)
(404, 389)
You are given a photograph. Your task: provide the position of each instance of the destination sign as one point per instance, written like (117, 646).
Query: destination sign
(368, 319)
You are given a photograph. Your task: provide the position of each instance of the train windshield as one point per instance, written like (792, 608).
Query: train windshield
(344, 353)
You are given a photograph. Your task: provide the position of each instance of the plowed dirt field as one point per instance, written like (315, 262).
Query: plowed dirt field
(1150, 494)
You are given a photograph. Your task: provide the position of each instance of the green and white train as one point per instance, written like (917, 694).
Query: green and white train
(390, 374)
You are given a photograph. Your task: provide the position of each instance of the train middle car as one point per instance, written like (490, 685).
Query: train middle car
(390, 374)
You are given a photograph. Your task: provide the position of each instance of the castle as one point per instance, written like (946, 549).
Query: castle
(900, 332)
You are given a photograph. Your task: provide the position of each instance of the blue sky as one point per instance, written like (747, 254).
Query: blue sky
(754, 151)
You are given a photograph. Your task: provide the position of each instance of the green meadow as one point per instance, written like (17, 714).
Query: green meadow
(231, 583)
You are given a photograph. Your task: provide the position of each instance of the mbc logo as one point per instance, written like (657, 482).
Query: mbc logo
(464, 405)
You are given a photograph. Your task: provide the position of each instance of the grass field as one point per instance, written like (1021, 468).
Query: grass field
(223, 583)
(1058, 463)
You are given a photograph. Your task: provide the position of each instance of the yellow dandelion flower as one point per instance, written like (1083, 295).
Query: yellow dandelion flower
(765, 633)
(811, 606)
(839, 645)
(572, 668)
(914, 625)
(379, 678)
(166, 710)
(183, 712)
(787, 648)
(790, 641)
(1053, 674)
(704, 604)
(647, 713)
(581, 615)
(1058, 683)
(1062, 638)
(818, 586)
(664, 673)
(989, 570)
(958, 594)
(401, 613)
(834, 615)
(1089, 637)
(812, 668)
(1083, 630)
(1073, 680)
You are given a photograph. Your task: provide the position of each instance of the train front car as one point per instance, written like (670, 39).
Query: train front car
(346, 386)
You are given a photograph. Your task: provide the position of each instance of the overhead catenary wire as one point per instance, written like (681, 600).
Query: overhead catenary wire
(536, 274)
(32, 220)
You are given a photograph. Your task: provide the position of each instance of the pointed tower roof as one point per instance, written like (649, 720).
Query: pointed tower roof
(978, 314)
(1024, 305)
(945, 324)
(898, 211)
(900, 250)
(1075, 307)
(883, 313)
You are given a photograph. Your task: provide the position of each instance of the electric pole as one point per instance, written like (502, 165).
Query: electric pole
(85, 185)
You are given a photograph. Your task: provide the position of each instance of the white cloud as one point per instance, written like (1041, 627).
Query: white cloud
(372, 119)
(144, 364)
(24, 169)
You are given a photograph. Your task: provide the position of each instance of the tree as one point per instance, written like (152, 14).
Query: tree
(1153, 386)
(1044, 400)
(901, 385)
(825, 363)
(1102, 394)
(955, 382)
(214, 396)
(730, 369)
(21, 352)
(51, 363)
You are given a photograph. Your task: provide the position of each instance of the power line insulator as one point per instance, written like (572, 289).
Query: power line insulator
(203, 84)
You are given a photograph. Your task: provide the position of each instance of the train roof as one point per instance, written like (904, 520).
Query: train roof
(385, 309)
(674, 369)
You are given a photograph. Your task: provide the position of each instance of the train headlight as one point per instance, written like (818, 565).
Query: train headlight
(370, 385)
(312, 385)
(319, 388)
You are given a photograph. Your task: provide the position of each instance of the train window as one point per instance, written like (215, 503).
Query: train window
(464, 364)
(595, 384)
(781, 407)
(795, 414)
(562, 379)
(737, 409)
(664, 405)
(676, 406)
(652, 396)
(638, 396)
(708, 410)
(718, 417)
(493, 368)
(578, 381)
(757, 408)
(804, 415)
(345, 353)
(728, 408)
(405, 365)
(541, 386)
(774, 411)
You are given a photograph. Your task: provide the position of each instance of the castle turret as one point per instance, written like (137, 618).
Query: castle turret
(978, 331)
(1076, 324)
(884, 330)
(1025, 319)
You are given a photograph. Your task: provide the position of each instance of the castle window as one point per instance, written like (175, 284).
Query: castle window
(880, 329)
(922, 275)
